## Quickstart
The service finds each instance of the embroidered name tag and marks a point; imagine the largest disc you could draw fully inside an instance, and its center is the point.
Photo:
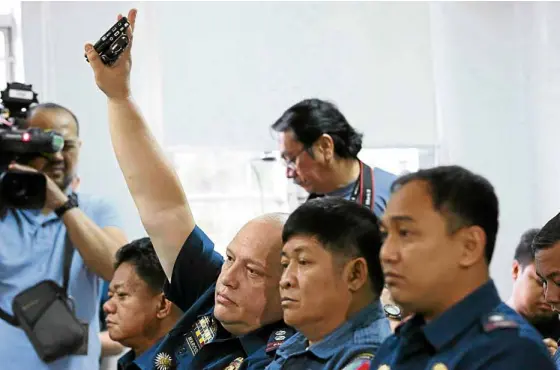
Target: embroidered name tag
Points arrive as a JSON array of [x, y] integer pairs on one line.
[[203, 332]]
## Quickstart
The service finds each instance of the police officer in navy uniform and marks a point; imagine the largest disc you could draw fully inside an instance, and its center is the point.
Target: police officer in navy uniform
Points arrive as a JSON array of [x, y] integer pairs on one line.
[[232, 308], [441, 227], [333, 244]]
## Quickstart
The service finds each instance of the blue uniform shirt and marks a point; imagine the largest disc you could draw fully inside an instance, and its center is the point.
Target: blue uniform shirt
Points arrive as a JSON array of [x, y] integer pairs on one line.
[[353, 343], [479, 332], [198, 341], [31, 250], [557, 359], [382, 181], [129, 361]]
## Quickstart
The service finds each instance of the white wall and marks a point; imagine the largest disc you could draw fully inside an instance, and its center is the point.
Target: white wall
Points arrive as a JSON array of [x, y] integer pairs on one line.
[[478, 79]]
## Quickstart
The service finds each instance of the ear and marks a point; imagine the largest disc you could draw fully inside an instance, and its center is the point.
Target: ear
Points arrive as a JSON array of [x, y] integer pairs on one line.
[[356, 274], [473, 240], [163, 307], [325, 148], [515, 270]]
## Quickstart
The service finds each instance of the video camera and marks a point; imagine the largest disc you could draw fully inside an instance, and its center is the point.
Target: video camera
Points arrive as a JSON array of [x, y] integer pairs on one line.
[[20, 189]]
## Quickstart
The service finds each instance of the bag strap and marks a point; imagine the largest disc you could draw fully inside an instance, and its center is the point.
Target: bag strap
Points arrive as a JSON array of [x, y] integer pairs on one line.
[[67, 263]]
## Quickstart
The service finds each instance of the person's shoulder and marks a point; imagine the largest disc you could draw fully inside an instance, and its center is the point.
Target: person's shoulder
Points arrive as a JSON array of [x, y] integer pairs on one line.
[[503, 320], [380, 173], [372, 332], [503, 333], [280, 338], [93, 203]]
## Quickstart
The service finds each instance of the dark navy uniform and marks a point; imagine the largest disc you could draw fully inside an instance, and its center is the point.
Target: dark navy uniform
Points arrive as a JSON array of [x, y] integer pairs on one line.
[[129, 361], [480, 332], [348, 347], [198, 341]]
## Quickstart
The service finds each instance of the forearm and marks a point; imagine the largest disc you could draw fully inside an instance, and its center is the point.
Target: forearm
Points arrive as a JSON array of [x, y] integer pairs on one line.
[[152, 181], [96, 246], [150, 177]]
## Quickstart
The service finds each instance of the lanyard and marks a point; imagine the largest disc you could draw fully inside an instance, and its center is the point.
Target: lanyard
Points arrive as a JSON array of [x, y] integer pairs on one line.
[[363, 192], [363, 189]]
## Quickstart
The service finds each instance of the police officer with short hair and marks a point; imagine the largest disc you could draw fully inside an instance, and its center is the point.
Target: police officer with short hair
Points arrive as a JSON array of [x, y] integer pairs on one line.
[[232, 307], [330, 287], [441, 227]]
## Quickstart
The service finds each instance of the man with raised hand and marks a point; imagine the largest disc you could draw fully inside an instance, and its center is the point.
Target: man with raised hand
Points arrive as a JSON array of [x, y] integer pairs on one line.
[[232, 308]]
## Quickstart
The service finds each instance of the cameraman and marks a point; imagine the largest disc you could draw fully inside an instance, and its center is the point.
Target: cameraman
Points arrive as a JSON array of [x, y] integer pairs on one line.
[[33, 241]]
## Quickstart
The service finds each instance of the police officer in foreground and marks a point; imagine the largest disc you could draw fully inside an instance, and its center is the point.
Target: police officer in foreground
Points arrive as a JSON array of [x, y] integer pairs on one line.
[[330, 287], [441, 227], [232, 308]]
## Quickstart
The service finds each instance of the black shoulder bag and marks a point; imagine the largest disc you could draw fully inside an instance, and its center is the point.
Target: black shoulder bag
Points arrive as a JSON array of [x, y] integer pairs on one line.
[[46, 314]]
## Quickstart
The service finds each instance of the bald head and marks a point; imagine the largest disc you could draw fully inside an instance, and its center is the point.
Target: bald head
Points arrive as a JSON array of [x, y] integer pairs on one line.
[[250, 276]]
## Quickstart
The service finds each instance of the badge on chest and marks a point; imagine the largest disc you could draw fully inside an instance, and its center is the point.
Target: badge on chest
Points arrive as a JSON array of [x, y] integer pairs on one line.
[[203, 332]]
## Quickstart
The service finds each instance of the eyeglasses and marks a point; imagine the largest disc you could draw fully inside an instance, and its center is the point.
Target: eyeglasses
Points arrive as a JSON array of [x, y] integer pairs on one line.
[[291, 162]]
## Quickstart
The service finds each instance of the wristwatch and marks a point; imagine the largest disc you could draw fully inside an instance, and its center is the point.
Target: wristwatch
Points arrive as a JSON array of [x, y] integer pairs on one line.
[[72, 202], [392, 311]]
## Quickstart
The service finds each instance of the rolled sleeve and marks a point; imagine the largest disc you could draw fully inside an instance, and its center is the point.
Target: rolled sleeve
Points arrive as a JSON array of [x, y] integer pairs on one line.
[[197, 267]]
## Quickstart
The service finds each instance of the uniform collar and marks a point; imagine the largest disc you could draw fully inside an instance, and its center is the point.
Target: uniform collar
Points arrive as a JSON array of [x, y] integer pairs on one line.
[[327, 347], [251, 342], [458, 318], [143, 362], [367, 315], [258, 339]]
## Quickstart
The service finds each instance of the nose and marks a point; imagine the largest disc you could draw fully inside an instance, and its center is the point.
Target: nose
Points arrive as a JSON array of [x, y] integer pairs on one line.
[[290, 172], [552, 295], [228, 275], [389, 252], [109, 307], [288, 279]]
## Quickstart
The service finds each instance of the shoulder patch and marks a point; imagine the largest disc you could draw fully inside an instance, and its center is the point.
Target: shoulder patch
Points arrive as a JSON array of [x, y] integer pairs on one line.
[[359, 362], [235, 364], [498, 321], [277, 338]]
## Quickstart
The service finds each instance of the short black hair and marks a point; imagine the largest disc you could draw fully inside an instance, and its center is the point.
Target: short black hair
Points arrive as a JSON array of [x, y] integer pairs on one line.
[[54, 106], [311, 118], [464, 198], [342, 227], [141, 254], [524, 253], [548, 236]]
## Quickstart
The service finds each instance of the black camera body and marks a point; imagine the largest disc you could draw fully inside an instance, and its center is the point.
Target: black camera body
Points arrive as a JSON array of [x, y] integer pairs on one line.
[[20, 189], [111, 45]]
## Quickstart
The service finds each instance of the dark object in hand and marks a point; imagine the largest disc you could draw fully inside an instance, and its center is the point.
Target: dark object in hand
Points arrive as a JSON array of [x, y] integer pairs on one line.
[[112, 44]]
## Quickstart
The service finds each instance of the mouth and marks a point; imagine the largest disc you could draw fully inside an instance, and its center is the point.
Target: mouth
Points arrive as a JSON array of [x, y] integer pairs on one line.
[[109, 323], [285, 301], [391, 277], [224, 300]]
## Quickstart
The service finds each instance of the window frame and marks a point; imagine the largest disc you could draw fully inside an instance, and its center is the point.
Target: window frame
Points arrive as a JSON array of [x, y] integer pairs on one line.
[[7, 27]]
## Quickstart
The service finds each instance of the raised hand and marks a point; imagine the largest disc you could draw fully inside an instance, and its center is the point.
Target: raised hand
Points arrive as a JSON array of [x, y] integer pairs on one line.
[[114, 80]]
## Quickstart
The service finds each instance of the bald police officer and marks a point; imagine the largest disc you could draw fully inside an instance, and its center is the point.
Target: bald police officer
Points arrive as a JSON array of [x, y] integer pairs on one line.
[[441, 227], [232, 307]]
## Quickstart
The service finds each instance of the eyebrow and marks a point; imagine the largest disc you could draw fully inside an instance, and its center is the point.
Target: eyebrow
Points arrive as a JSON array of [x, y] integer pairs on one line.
[[296, 250], [115, 286], [552, 275], [398, 218], [247, 260]]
